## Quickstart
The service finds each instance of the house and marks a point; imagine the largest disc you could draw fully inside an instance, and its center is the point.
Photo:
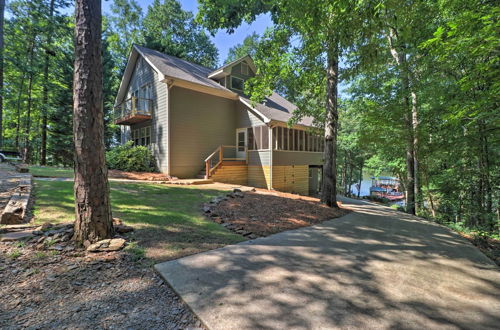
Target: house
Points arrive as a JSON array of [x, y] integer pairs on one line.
[[198, 122]]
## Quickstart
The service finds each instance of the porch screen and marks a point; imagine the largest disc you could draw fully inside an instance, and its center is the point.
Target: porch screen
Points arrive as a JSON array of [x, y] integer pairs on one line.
[[258, 138]]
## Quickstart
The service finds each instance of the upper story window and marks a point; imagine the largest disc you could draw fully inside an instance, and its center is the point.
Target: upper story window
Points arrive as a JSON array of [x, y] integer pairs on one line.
[[244, 68], [237, 83]]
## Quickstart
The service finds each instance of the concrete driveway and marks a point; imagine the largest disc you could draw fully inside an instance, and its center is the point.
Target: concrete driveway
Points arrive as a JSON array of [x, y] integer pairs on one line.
[[373, 268]]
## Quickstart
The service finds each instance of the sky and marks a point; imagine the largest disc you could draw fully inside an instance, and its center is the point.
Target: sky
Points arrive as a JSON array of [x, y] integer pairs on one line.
[[223, 41]]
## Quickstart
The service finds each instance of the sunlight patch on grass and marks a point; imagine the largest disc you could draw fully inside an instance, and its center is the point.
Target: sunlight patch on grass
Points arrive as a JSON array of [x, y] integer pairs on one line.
[[51, 171], [168, 220]]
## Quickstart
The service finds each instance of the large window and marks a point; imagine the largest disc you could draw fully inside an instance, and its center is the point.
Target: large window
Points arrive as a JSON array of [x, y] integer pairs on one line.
[[142, 136], [289, 139], [237, 83]]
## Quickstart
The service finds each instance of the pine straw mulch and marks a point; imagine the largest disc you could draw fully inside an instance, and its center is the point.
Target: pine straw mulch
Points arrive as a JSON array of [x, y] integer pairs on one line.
[[150, 176], [264, 212]]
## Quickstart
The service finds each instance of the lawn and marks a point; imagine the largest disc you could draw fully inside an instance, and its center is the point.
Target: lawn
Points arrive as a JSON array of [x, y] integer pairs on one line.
[[168, 221], [50, 171]]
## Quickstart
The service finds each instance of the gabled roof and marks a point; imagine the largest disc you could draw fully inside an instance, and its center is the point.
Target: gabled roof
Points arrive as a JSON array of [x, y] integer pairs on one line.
[[226, 68], [275, 107], [174, 67]]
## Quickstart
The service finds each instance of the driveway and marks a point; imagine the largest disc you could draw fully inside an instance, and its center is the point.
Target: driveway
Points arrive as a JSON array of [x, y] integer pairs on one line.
[[373, 268]]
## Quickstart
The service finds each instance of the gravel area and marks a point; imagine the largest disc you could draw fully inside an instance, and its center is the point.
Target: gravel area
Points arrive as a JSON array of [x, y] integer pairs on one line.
[[42, 289], [263, 212]]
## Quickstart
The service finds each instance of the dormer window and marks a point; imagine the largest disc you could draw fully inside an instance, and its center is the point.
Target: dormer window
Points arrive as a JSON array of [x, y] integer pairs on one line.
[[244, 68], [237, 83]]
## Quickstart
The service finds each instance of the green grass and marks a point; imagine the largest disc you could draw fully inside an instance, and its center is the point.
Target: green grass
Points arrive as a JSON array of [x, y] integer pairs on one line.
[[168, 221], [50, 171]]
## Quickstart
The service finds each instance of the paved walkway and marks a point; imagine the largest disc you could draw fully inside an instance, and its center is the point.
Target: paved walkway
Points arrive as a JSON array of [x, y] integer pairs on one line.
[[372, 269]]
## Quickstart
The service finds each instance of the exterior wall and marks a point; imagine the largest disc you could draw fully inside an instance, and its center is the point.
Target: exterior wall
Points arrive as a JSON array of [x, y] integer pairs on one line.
[[200, 123], [297, 158], [259, 176], [292, 178], [144, 74], [236, 174], [245, 117]]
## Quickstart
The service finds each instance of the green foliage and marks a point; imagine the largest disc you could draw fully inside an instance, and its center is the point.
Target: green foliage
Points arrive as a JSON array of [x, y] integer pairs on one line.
[[248, 47], [131, 158], [16, 253], [171, 30]]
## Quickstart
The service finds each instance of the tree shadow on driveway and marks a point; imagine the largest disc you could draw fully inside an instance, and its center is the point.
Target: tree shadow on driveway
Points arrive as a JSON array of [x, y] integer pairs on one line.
[[374, 268]]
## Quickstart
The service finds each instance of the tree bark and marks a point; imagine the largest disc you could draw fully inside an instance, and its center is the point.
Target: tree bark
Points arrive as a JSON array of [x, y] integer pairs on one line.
[[45, 92], [400, 59], [18, 111], [92, 206], [360, 177], [2, 11], [27, 128], [329, 189]]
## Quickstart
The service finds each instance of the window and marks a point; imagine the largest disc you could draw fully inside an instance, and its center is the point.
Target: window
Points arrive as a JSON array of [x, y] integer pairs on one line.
[[237, 83], [142, 136], [244, 68]]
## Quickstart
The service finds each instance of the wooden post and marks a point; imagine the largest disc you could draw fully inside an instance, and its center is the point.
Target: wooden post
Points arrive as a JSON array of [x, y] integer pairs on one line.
[[207, 169], [133, 105], [221, 153]]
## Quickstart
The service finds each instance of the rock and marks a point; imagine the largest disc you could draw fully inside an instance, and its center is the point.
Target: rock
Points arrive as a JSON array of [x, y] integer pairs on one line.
[[239, 194], [214, 215], [16, 236], [113, 244], [236, 190], [206, 209], [218, 220], [230, 195]]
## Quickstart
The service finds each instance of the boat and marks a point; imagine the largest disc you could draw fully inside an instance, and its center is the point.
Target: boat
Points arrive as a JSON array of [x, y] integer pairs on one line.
[[386, 187]]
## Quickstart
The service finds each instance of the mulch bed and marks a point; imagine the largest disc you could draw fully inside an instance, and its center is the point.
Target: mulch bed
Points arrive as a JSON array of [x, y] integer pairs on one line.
[[42, 289], [116, 174], [264, 212]]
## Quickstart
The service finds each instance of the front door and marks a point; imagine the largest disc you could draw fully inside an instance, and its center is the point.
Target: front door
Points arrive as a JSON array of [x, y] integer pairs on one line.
[[241, 143]]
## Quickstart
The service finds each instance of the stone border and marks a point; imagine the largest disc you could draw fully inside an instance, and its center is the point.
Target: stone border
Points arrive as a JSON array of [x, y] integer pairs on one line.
[[209, 212], [15, 210]]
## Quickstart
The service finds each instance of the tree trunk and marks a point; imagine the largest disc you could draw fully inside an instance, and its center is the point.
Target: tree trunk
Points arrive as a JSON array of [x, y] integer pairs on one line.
[[18, 111], [329, 189], [360, 177], [349, 183], [27, 128], [414, 116], [92, 206], [400, 59], [45, 92], [2, 11]]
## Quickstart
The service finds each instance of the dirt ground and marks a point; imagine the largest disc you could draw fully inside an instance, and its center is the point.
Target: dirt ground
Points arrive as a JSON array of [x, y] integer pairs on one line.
[[8, 182], [266, 212], [79, 290]]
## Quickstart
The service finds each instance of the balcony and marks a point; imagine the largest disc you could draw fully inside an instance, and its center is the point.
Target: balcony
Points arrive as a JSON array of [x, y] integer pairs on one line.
[[133, 110]]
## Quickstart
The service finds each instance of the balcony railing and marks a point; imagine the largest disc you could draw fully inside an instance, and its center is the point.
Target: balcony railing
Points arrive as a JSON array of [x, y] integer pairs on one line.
[[133, 110]]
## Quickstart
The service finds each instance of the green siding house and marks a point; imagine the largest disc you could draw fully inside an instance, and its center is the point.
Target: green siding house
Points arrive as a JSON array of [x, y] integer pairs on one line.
[[198, 123]]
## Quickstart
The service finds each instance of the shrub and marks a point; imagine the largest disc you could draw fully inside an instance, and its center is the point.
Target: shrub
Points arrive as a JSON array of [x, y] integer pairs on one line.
[[130, 158]]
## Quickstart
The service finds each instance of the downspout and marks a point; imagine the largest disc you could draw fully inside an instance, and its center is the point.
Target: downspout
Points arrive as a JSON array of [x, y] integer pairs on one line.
[[170, 84], [271, 147]]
